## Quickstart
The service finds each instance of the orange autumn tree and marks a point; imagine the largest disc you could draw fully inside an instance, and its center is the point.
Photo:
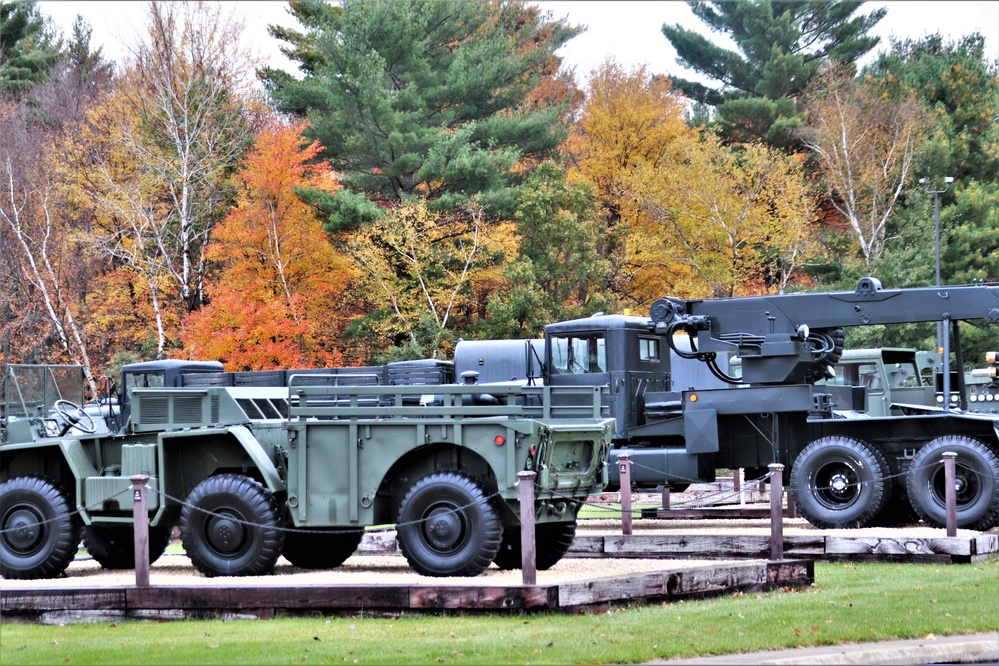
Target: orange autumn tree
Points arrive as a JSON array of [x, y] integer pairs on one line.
[[273, 300]]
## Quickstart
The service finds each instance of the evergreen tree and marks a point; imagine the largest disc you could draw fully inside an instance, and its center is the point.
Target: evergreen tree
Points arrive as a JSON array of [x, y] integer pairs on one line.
[[26, 50], [780, 46], [424, 98], [958, 84], [558, 273]]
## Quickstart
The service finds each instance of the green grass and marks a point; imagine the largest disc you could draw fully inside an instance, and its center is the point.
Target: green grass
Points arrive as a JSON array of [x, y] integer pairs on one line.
[[848, 603]]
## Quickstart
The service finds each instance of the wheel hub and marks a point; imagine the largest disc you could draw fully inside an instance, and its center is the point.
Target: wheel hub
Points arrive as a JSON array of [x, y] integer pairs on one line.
[[225, 533], [443, 528], [22, 530], [839, 484]]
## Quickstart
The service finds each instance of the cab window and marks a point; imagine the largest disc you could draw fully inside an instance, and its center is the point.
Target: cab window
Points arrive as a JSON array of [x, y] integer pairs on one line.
[[579, 354], [143, 380], [648, 349]]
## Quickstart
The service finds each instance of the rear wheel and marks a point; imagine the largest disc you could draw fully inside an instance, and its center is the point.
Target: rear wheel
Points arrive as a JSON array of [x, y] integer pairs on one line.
[[552, 541], [447, 527], [325, 549], [976, 483], [839, 482], [113, 546], [229, 526], [39, 534]]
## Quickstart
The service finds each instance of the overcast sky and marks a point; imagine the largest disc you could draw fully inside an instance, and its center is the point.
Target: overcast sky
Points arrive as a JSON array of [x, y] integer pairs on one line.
[[629, 31]]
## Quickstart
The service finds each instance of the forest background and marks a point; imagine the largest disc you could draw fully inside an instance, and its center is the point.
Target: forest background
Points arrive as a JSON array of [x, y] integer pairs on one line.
[[432, 172]]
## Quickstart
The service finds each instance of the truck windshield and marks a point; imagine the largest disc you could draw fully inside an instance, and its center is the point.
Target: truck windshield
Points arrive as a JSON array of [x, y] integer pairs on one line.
[[31, 390], [579, 354], [143, 380]]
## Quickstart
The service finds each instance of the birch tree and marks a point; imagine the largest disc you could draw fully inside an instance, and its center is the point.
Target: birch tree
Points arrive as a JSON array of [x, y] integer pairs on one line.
[[864, 142], [181, 118]]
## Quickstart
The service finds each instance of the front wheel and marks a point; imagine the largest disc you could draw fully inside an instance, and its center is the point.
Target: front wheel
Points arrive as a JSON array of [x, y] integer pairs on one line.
[[230, 527], [839, 482], [976, 483], [38, 532], [551, 543], [447, 527]]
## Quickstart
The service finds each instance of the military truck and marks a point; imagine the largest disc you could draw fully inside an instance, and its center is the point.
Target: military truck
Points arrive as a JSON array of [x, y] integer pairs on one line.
[[843, 472], [250, 473]]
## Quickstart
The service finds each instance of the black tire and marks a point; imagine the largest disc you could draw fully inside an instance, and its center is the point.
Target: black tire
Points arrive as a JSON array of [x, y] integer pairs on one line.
[[39, 534], [552, 541], [447, 527], [230, 527], [976, 478], [325, 549], [839, 483], [113, 546]]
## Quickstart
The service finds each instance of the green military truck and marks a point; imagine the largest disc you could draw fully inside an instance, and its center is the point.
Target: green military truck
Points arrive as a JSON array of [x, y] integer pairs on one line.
[[251, 473]]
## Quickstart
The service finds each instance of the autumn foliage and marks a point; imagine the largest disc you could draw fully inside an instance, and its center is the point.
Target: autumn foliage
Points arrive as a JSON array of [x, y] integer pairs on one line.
[[272, 300]]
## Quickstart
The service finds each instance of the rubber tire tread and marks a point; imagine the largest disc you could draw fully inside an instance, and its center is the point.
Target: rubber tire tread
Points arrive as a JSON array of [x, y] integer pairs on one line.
[[875, 492], [252, 503], [481, 543], [322, 550], [983, 514], [61, 536], [552, 542], [113, 546]]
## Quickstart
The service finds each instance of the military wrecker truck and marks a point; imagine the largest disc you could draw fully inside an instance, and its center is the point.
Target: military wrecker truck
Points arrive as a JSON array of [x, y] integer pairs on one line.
[[296, 467], [843, 472]]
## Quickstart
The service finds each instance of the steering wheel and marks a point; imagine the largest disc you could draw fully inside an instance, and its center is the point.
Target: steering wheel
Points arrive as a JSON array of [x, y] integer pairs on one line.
[[75, 415]]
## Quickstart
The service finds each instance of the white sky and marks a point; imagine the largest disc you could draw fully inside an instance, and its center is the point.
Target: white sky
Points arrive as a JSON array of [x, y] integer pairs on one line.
[[627, 30]]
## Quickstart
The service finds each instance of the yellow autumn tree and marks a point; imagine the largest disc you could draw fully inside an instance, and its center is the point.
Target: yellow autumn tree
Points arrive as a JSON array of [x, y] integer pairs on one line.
[[273, 302], [630, 119], [424, 273], [719, 222]]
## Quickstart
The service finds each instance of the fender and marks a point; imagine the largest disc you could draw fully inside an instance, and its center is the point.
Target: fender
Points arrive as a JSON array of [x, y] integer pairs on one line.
[[268, 471]]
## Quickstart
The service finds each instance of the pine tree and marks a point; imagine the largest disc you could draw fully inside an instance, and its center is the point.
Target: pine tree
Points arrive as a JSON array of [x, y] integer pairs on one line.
[[422, 98], [26, 51], [780, 46]]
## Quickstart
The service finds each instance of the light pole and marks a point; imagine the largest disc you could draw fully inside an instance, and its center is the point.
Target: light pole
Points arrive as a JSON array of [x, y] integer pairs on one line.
[[936, 214], [942, 348]]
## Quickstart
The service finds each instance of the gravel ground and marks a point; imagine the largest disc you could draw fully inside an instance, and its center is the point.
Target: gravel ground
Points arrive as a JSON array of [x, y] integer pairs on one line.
[[176, 569]]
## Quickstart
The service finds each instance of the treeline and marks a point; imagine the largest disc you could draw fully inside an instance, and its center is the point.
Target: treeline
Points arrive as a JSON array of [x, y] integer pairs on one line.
[[431, 172]]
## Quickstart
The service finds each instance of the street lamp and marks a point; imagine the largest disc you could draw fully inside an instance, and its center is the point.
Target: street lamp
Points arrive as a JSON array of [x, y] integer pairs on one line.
[[942, 346]]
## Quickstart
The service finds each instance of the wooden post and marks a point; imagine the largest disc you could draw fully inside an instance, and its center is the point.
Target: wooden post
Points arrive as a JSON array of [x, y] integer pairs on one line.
[[776, 511], [950, 491], [140, 520], [624, 470], [737, 484], [792, 509], [666, 499], [528, 545]]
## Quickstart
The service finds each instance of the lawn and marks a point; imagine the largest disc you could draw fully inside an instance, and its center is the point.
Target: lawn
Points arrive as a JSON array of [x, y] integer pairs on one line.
[[848, 603]]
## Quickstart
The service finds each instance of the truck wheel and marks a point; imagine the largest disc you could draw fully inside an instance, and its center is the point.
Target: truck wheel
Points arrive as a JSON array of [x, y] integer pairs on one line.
[[447, 526], [976, 480], [552, 541], [113, 546], [322, 549], [229, 527], [839, 482], [39, 534]]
